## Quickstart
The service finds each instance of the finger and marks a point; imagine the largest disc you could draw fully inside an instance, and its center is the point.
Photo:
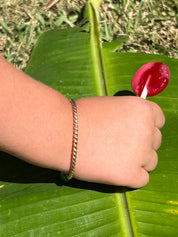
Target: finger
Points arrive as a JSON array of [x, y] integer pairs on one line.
[[159, 117], [157, 138], [141, 179], [152, 161]]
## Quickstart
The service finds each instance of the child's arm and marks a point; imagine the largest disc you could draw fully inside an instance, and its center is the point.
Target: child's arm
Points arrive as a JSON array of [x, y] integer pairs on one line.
[[35, 120], [117, 139]]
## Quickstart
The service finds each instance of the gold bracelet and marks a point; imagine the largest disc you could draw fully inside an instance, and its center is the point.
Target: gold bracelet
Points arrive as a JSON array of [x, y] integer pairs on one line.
[[74, 142]]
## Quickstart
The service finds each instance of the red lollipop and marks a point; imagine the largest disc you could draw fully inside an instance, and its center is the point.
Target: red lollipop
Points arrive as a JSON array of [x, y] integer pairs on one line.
[[150, 79]]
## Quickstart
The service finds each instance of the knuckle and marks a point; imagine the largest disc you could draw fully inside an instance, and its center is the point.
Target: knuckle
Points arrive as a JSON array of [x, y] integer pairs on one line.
[[157, 139], [158, 115], [154, 161], [163, 120], [139, 180], [146, 179]]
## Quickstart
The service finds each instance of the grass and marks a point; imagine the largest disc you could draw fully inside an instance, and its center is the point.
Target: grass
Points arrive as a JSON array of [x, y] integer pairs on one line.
[[150, 25]]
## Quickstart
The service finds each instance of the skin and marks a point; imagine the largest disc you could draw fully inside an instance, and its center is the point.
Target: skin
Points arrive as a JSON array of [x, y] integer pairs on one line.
[[118, 140], [118, 136]]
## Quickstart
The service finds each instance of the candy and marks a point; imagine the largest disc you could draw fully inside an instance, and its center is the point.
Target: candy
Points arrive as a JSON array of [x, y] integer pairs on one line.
[[150, 79]]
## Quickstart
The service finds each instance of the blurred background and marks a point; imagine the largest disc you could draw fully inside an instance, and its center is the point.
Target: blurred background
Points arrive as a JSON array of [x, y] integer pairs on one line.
[[149, 26]]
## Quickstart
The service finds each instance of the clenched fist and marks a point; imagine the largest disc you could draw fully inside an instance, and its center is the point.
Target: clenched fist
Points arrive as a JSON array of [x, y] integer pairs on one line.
[[118, 140]]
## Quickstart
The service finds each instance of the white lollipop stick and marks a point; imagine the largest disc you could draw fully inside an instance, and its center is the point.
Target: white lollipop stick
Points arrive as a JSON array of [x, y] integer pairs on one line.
[[144, 93], [145, 90]]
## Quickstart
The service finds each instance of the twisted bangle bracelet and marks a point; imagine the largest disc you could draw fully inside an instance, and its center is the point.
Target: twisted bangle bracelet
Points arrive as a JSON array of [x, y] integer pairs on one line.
[[74, 142]]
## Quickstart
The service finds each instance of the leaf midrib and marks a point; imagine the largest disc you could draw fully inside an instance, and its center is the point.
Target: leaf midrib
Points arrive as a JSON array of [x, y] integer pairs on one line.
[[100, 79], [99, 70]]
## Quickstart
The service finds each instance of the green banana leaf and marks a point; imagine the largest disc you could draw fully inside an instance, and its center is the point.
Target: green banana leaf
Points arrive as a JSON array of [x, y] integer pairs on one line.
[[35, 202]]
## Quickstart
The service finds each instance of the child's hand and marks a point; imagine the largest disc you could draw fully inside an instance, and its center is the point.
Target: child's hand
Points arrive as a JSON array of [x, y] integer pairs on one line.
[[118, 139]]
